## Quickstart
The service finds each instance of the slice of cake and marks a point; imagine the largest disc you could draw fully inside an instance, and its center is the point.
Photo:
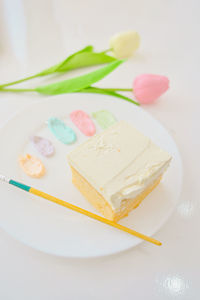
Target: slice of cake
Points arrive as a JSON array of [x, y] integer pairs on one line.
[[116, 169]]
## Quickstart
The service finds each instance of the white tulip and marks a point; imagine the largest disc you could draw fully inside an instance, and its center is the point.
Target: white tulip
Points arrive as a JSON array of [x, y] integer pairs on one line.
[[124, 44]]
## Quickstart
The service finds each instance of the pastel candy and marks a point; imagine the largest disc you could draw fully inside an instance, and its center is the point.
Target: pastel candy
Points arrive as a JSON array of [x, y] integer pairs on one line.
[[104, 118], [83, 122], [32, 166], [43, 145], [62, 132]]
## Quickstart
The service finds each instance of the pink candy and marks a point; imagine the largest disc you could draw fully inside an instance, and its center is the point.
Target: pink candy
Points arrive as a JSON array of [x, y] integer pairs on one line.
[[148, 87], [83, 122]]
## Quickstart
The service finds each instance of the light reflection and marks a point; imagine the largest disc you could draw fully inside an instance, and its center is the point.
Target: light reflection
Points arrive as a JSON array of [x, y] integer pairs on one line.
[[16, 26], [175, 285], [185, 209]]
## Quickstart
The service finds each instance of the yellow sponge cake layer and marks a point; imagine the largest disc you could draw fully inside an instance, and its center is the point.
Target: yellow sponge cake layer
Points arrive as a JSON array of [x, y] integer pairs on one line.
[[116, 169], [102, 205]]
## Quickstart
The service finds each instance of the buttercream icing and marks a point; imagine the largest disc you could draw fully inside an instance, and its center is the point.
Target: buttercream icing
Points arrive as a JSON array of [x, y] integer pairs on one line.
[[32, 166], [104, 118], [43, 145], [83, 122], [62, 132], [119, 163]]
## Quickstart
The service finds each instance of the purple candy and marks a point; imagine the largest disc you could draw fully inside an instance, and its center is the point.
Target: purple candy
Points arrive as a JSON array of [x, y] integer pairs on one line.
[[43, 145]]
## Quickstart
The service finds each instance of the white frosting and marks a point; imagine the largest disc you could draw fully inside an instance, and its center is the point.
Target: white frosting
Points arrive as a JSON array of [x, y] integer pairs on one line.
[[119, 163]]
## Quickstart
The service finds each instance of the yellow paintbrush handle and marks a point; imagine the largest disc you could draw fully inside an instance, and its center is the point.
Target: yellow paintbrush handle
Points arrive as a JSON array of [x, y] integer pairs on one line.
[[93, 216]]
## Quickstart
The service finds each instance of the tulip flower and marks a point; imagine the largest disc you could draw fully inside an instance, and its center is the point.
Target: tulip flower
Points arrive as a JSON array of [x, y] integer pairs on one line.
[[124, 44], [146, 88], [149, 87]]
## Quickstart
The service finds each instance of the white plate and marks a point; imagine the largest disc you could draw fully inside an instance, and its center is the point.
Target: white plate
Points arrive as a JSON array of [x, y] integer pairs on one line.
[[46, 226]]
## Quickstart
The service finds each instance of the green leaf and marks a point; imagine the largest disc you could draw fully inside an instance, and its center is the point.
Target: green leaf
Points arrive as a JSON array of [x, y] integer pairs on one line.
[[78, 83], [60, 66], [86, 59], [83, 58], [107, 92]]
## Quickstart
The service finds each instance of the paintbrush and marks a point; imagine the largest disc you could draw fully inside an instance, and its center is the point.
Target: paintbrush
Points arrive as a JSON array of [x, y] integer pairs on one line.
[[78, 209]]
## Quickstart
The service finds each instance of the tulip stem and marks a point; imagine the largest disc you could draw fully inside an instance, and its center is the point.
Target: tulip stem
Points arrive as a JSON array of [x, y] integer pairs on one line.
[[32, 90], [18, 81], [16, 90], [119, 89], [107, 50]]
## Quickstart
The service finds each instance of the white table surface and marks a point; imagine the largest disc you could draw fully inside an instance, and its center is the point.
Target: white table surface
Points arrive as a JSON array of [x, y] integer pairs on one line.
[[36, 34]]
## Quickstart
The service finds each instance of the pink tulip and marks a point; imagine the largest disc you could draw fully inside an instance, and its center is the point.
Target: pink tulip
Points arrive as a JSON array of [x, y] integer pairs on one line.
[[149, 87]]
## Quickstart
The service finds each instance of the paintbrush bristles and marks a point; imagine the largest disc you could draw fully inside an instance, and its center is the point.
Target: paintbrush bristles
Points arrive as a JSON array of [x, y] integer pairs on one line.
[[3, 178]]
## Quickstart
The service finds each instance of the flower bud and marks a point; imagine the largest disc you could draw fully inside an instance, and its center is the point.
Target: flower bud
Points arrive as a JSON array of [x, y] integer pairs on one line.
[[148, 87], [124, 44]]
